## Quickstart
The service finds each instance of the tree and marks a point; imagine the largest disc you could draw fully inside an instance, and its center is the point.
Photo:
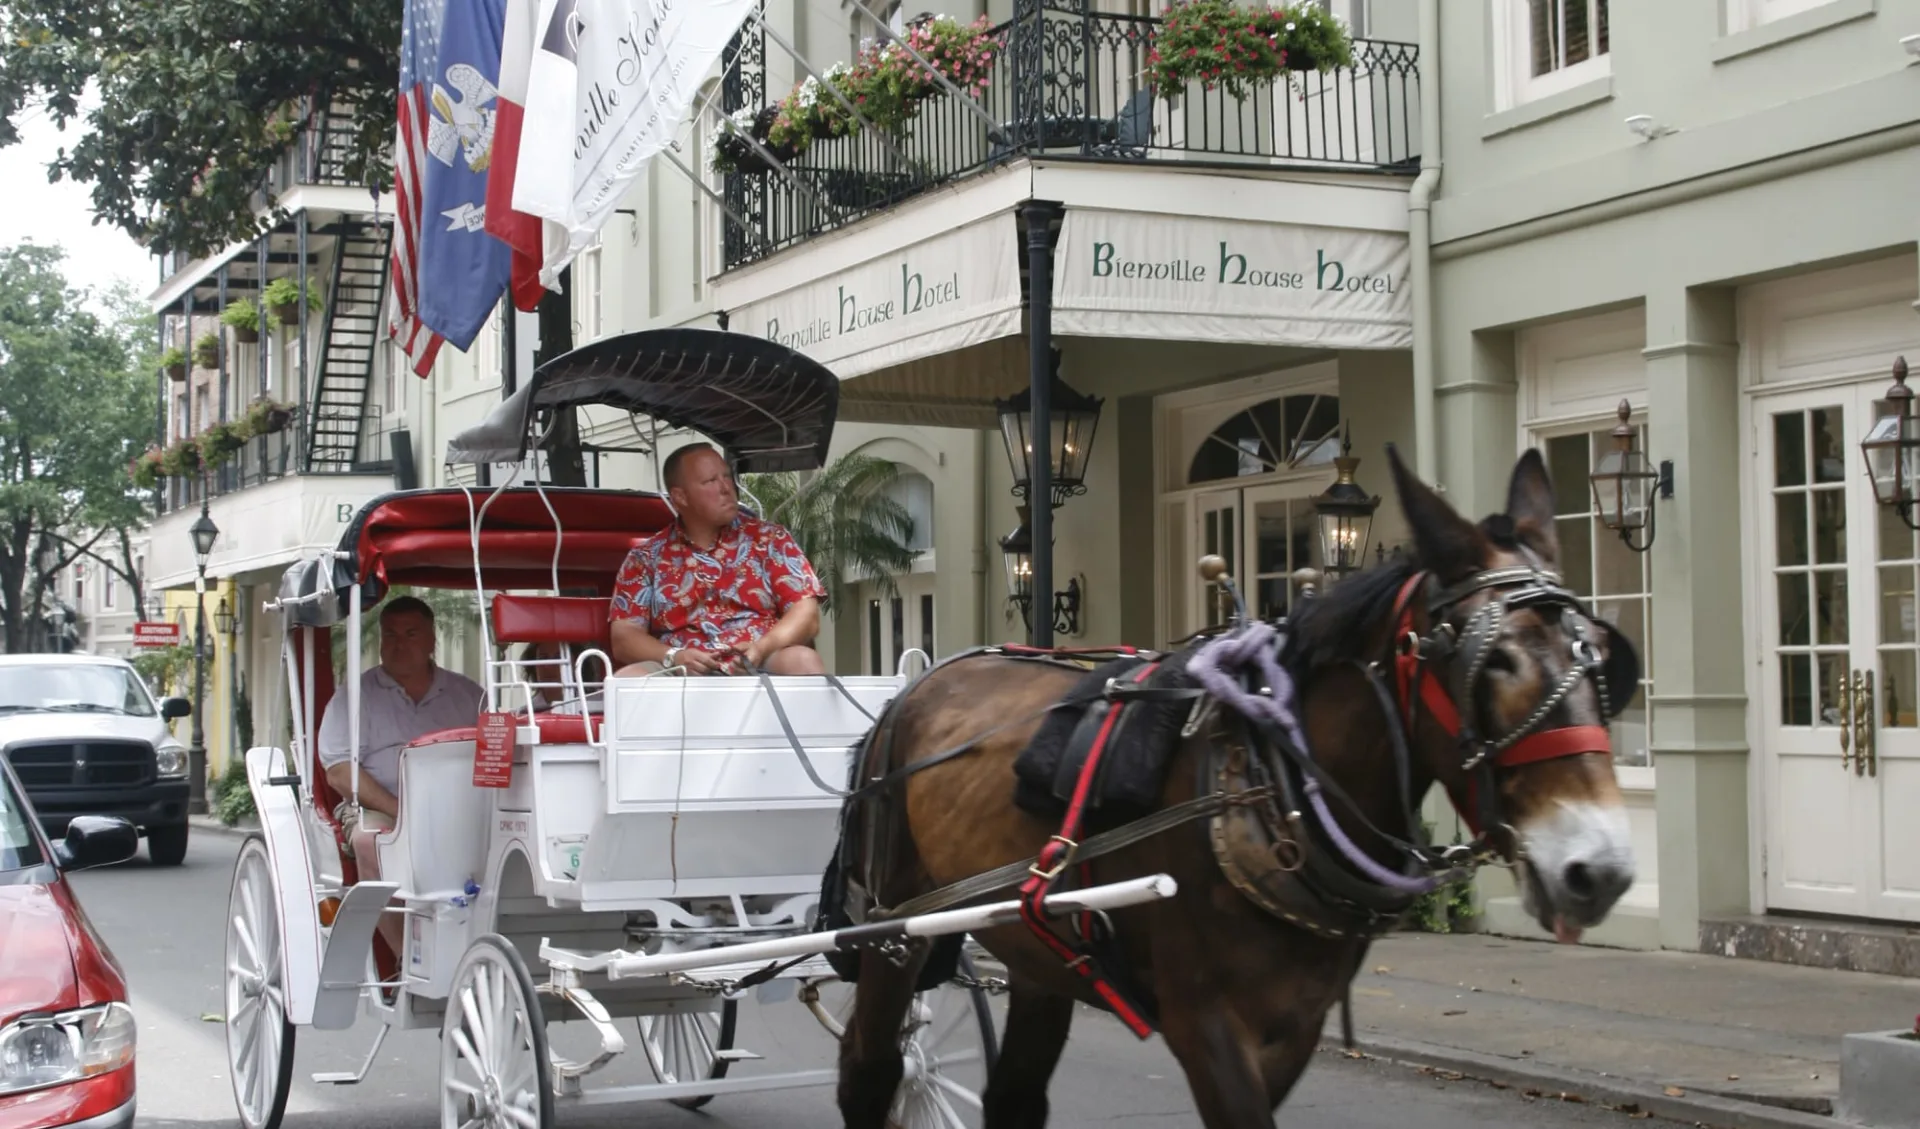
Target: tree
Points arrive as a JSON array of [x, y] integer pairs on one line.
[[73, 411], [196, 100], [843, 518]]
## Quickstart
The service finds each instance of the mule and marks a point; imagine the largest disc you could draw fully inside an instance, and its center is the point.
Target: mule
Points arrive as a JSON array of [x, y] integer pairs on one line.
[[1469, 666]]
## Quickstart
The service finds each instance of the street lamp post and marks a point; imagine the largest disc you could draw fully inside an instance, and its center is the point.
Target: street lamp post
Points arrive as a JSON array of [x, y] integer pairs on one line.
[[204, 534]]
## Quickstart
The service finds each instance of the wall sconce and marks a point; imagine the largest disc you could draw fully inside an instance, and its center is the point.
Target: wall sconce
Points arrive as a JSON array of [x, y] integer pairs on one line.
[[1625, 487], [1016, 550], [1892, 449], [223, 618]]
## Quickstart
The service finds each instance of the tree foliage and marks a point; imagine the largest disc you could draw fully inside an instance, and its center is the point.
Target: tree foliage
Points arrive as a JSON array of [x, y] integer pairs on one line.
[[74, 408], [188, 104], [843, 517]]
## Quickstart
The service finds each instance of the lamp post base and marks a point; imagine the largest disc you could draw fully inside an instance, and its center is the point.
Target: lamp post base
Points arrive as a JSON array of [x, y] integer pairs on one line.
[[196, 781]]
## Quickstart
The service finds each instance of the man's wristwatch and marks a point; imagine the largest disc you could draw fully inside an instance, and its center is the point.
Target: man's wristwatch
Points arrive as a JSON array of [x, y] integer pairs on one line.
[[671, 651]]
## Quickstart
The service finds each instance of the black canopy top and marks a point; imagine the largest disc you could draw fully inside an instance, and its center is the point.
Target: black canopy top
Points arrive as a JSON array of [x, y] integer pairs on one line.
[[769, 407]]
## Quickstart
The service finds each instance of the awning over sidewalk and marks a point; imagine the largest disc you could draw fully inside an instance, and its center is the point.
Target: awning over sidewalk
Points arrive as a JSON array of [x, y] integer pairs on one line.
[[1168, 277], [958, 288]]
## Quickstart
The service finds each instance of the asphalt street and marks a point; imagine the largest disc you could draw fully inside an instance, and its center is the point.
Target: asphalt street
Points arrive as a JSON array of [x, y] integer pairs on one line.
[[165, 926]]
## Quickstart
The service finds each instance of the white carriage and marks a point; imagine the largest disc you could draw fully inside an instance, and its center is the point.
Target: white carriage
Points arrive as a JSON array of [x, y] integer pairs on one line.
[[656, 854]]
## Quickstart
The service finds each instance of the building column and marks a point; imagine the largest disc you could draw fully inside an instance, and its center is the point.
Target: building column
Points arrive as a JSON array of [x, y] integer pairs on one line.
[[1697, 639]]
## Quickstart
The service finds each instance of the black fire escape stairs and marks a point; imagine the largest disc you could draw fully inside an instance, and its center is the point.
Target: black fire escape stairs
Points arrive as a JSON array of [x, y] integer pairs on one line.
[[345, 373]]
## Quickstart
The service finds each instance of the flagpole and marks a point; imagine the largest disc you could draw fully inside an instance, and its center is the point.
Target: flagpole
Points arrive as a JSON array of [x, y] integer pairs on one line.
[[993, 127]]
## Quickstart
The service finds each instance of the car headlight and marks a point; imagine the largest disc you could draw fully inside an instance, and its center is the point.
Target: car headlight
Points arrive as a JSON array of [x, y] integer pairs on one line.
[[48, 1050], [170, 760]]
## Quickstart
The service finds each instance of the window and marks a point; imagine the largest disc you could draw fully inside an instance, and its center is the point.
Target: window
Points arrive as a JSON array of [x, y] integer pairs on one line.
[[1615, 581], [1284, 433], [587, 323], [1546, 46], [107, 588], [1745, 14], [914, 492]]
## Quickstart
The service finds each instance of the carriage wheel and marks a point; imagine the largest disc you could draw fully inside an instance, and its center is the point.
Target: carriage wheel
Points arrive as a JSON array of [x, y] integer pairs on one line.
[[949, 1044], [259, 1034], [494, 1069], [685, 1046]]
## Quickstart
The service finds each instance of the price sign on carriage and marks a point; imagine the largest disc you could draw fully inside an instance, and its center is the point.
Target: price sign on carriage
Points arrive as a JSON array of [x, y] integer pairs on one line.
[[493, 750]]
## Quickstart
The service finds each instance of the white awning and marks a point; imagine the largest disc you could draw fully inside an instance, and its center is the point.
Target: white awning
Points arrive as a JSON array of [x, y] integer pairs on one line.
[[956, 289], [1136, 274]]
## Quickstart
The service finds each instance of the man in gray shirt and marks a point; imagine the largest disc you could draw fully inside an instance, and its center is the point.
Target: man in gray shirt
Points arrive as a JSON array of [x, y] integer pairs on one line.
[[406, 696]]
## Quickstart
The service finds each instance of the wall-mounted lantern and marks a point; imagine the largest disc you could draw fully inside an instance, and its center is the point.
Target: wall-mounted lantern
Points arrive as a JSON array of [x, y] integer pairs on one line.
[[1072, 418], [1625, 486], [1892, 450], [1016, 551]]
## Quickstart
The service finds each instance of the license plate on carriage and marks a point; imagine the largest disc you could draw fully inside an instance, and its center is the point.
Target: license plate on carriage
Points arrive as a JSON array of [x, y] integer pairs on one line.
[[493, 751]]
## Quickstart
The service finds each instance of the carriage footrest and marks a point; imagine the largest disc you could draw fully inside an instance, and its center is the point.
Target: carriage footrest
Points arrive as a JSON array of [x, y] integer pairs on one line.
[[737, 1054]]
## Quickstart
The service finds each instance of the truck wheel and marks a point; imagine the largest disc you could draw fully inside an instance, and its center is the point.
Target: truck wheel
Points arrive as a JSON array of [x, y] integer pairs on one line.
[[167, 846]]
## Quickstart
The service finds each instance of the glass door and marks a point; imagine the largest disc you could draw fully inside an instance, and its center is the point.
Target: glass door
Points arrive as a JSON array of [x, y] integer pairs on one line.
[[1840, 743], [1283, 536]]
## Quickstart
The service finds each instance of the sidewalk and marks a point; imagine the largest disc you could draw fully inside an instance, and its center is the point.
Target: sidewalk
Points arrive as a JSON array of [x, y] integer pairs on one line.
[[1697, 1038]]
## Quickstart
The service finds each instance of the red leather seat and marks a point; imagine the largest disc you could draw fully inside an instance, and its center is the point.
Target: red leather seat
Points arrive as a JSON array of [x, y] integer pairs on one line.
[[555, 729], [553, 619]]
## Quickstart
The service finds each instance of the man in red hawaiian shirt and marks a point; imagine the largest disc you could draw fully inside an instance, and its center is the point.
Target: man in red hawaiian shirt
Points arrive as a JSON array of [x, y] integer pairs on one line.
[[717, 586]]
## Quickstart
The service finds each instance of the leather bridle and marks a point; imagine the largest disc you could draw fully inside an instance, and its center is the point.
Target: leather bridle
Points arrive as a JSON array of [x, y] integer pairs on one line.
[[1451, 705]]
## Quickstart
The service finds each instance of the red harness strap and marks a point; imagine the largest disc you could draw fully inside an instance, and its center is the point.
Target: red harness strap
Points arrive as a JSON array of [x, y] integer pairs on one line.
[[1056, 856], [1548, 744]]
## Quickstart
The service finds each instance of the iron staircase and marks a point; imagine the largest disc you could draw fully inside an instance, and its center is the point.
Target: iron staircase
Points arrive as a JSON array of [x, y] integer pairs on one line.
[[345, 377]]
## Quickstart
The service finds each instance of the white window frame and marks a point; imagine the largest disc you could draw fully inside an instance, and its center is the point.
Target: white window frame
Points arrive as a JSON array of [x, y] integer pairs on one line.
[[589, 273], [1514, 84], [1745, 15]]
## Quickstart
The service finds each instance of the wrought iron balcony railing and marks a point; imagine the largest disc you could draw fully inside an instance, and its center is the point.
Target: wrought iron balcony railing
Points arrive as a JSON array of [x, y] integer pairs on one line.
[[1070, 85], [263, 459]]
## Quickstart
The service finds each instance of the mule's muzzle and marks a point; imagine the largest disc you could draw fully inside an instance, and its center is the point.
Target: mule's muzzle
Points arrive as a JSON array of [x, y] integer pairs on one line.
[[1578, 864]]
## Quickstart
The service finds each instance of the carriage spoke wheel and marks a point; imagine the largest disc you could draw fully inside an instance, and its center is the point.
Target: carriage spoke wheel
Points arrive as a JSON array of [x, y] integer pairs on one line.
[[259, 1035], [685, 1046], [948, 1043], [494, 1069]]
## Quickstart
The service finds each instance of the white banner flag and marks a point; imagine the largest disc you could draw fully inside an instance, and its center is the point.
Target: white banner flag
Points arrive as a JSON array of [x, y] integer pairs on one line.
[[611, 83]]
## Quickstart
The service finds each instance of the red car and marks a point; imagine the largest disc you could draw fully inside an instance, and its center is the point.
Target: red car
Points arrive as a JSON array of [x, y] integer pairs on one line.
[[66, 1029]]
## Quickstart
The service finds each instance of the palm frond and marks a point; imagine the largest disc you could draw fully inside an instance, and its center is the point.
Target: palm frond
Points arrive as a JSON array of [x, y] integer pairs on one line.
[[843, 518]]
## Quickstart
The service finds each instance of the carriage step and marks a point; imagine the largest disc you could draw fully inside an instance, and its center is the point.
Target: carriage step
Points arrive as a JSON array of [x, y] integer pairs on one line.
[[737, 1054], [353, 1077]]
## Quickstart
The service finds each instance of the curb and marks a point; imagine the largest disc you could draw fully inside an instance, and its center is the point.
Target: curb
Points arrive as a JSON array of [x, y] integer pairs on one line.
[[1566, 1084], [208, 824]]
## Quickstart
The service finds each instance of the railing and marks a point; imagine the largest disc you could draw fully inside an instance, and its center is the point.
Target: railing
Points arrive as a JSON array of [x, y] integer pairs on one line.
[[263, 459], [1071, 85]]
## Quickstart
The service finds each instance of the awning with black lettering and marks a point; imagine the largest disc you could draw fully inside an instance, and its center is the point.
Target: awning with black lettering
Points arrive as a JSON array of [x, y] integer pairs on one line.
[[1164, 277], [957, 289]]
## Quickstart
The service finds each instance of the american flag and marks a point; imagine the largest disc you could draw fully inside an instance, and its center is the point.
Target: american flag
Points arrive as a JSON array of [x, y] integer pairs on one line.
[[419, 63]]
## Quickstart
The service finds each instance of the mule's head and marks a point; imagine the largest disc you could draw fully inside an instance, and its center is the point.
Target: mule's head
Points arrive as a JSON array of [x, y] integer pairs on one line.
[[1533, 679]]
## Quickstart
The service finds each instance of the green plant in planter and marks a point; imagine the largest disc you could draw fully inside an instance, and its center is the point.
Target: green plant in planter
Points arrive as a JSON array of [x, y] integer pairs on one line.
[[243, 317], [221, 441], [206, 351], [1235, 49], [181, 459], [282, 299], [173, 362], [1449, 909], [145, 469], [266, 416]]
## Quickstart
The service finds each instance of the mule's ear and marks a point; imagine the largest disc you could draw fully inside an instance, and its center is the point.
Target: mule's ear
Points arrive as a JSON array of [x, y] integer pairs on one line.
[[1450, 545], [1530, 505], [1622, 669]]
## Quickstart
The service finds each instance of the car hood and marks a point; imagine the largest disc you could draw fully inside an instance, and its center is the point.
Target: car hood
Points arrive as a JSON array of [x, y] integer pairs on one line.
[[20, 728], [36, 952]]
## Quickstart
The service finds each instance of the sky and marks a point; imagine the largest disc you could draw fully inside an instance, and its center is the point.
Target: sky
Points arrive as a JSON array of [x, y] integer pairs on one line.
[[62, 213]]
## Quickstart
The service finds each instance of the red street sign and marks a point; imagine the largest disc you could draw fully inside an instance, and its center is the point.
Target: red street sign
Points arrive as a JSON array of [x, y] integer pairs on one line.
[[151, 633], [493, 751]]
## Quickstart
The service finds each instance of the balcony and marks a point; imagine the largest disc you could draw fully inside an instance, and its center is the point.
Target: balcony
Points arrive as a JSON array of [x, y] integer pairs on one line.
[[266, 458], [1068, 86]]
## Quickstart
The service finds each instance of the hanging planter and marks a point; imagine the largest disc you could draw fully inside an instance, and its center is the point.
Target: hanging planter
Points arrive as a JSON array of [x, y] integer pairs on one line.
[[173, 362], [181, 459], [243, 317], [220, 442], [206, 351], [266, 417], [1234, 49], [145, 469], [282, 299]]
